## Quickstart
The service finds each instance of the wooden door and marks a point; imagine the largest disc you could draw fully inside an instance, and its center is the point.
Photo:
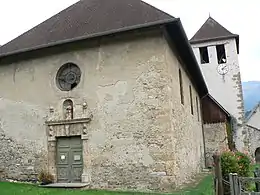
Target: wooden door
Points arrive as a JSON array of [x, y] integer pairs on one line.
[[69, 160]]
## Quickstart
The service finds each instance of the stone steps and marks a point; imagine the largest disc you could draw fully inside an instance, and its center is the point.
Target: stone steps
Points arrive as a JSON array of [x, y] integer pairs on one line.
[[65, 185]]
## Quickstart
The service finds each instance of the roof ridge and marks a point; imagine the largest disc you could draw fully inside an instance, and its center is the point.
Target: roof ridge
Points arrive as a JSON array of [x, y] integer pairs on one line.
[[221, 25], [198, 29]]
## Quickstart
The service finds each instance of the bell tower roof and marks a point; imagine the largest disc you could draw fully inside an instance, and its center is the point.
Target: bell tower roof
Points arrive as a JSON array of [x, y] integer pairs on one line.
[[211, 30]]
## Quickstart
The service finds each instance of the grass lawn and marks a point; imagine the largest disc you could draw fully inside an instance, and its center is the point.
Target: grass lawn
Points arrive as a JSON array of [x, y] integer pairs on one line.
[[204, 188]]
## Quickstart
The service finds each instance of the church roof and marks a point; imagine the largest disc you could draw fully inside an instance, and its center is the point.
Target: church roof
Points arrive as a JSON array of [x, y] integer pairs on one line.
[[211, 30], [85, 19], [88, 19]]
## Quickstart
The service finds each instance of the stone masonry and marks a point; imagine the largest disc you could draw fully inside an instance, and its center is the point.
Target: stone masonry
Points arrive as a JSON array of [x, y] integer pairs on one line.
[[215, 140], [140, 137], [253, 130], [254, 137]]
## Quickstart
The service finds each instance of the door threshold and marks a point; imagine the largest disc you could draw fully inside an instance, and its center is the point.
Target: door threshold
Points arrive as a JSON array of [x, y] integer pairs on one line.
[[65, 185]]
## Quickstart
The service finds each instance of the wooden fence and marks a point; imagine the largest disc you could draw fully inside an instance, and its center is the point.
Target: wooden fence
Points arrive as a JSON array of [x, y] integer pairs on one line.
[[235, 185], [218, 180], [238, 184]]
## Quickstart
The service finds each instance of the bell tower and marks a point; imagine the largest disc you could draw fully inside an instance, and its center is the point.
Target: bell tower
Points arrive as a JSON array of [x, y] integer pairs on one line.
[[217, 50]]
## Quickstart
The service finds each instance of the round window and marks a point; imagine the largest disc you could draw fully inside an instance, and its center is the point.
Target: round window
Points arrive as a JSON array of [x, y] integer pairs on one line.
[[68, 77]]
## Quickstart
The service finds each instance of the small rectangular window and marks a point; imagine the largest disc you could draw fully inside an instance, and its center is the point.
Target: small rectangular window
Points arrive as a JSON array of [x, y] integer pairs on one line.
[[204, 55], [198, 111], [181, 87], [191, 101], [221, 53]]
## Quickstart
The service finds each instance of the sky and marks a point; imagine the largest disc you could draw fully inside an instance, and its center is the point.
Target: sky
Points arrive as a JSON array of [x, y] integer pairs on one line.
[[239, 17]]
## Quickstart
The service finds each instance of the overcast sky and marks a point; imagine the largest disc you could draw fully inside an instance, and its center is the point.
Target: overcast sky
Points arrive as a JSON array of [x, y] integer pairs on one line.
[[239, 17]]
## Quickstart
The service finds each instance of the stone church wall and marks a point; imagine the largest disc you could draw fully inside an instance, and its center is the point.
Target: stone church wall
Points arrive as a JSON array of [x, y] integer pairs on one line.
[[22, 139], [186, 128], [141, 136], [215, 140]]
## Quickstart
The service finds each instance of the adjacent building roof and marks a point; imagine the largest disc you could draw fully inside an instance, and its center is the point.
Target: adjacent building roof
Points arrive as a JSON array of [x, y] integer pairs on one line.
[[94, 18], [219, 105], [211, 30], [212, 111], [252, 112]]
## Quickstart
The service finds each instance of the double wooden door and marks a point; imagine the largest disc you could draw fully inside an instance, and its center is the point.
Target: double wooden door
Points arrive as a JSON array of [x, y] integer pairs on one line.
[[69, 160]]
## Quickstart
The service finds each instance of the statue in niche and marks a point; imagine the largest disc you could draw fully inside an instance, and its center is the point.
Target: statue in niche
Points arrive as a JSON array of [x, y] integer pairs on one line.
[[69, 113], [68, 109]]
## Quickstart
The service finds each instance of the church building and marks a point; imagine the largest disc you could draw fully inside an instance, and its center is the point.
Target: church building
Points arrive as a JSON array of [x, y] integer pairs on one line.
[[105, 93]]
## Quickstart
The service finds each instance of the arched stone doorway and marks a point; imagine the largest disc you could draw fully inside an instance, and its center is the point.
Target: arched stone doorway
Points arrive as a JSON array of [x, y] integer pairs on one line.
[[69, 132], [257, 155]]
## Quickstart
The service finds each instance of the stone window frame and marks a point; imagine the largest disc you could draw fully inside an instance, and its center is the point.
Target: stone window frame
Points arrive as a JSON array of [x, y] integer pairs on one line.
[[71, 79]]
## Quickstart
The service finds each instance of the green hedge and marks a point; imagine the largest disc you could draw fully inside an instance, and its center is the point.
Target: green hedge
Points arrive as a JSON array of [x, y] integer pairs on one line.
[[235, 162]]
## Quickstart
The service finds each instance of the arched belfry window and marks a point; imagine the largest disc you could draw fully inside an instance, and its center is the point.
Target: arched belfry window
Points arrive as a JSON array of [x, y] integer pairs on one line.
[[68, 109], [68, 77]]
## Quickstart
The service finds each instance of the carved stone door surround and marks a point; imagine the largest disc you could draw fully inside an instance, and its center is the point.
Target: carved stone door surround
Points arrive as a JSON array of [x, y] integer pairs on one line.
[[68, 128]]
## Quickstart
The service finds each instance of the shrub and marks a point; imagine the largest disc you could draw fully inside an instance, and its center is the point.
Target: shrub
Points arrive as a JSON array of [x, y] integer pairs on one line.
[[45, 177], [235, 162], [244, 163]]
